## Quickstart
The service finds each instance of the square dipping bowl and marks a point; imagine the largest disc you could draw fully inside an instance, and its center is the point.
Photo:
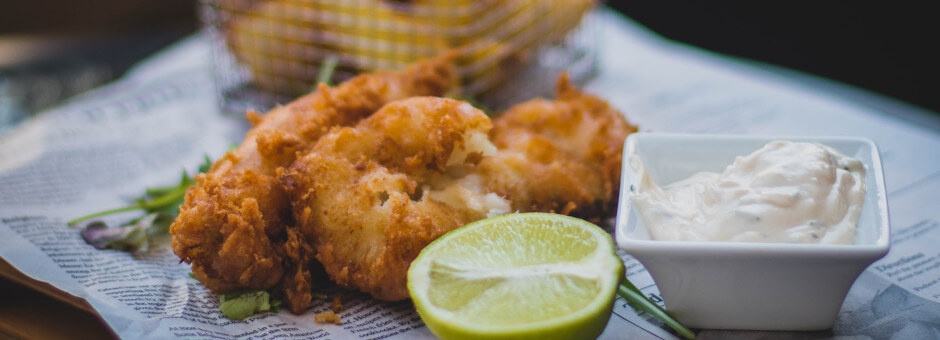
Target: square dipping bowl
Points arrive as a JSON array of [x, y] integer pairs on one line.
[[738, 285]]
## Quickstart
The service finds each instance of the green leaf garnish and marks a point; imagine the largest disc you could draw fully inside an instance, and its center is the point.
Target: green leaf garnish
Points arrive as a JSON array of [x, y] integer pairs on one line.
[[161, 205], [206, 164], [244, 303], [131, 237], [275, 306], [127, 238], [637, 300], [325, 73]]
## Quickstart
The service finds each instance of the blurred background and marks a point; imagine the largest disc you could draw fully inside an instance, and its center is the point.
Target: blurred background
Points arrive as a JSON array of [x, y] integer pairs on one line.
[[54, 49], [51, 50], [888, 48]]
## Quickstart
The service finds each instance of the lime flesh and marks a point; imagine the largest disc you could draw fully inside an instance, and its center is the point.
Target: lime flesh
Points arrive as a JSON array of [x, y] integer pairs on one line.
[[530, 275]]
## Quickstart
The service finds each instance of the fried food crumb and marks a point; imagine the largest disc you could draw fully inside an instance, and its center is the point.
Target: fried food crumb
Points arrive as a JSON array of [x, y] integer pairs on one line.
[[327, 317], [337, 305]]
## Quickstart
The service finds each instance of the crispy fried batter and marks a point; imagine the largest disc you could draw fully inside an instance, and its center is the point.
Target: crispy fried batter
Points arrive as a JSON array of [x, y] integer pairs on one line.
[[328, 317], [559, 156], [372, 196], [232, 225], [324, 180]]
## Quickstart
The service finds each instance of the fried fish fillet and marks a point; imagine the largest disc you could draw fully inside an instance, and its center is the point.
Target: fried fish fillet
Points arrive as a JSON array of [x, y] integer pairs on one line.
[[236, 226], [559, 155], [370, 197]]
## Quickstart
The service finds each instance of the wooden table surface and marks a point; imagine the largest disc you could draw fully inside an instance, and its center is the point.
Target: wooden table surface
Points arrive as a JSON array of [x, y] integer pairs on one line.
[[31, 309]]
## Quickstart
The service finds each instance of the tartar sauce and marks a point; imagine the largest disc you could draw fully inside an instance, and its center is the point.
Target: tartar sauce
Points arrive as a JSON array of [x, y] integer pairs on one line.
[[790, 192]]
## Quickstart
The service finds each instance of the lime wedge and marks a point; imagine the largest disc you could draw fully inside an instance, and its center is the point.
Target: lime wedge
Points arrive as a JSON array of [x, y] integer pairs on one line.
[[533, 275]]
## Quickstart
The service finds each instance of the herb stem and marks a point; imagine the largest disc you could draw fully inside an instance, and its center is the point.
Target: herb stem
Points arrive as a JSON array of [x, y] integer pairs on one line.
[[168, 198], [325, 74], [639, 301], [159, 191], [104, 213]]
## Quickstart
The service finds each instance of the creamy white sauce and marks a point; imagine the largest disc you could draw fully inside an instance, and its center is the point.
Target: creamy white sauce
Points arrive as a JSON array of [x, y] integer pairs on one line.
[[791, 192]]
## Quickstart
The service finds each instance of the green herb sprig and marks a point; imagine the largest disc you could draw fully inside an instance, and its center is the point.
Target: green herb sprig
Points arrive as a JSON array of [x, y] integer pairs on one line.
[[161, 205], [637, 300], [244, 303], [327, 68]]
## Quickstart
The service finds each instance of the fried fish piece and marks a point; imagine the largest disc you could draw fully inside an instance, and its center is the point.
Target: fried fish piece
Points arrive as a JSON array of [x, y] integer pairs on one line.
[[324, 181], [559, 155], [234, 227], [370, 197]]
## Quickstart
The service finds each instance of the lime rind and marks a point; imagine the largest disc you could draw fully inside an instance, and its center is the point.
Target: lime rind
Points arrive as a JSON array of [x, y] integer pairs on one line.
[[460, 310]]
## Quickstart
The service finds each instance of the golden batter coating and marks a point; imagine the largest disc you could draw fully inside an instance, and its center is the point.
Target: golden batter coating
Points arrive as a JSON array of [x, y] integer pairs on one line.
[[361, 177], [370, 197], [232, 225], [559, 155]]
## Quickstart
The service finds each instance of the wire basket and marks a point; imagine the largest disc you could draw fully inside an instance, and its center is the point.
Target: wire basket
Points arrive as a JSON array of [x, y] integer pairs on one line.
[[270, 51]]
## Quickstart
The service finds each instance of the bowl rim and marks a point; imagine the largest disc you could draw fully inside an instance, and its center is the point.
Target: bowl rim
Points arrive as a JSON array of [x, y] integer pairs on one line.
[[633, 244]]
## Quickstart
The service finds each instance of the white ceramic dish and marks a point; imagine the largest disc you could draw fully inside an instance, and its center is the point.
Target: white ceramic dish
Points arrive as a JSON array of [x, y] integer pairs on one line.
[[727, 285]]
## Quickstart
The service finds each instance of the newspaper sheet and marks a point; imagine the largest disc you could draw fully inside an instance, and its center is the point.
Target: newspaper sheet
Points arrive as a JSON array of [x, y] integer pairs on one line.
[[99, 150]]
